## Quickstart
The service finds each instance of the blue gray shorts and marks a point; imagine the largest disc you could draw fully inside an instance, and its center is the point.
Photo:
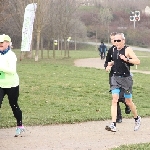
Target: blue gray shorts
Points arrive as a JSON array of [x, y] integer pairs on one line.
[[125, 83], [126, 94]]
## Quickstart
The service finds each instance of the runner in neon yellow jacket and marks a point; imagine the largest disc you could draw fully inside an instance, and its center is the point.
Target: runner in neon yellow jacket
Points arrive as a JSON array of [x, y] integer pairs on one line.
[[9, 80]]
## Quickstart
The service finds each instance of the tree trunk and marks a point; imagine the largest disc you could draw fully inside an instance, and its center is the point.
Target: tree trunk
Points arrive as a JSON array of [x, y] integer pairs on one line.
[[61, 46], [42, 47], [54, 46], [68, 49], [48, 49], [37, 46], [65, 44]]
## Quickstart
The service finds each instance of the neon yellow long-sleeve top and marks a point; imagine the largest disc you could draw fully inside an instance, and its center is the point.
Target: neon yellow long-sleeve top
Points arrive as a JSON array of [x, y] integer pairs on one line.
[[8, 75]]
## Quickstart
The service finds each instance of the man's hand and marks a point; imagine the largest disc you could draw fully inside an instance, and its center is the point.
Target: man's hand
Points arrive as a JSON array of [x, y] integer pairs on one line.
[[111, 63], [108, 68], [123, 57]]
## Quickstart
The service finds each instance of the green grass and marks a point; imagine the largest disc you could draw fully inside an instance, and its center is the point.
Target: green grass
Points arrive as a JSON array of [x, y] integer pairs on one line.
[[141, 146], [54, 91], [144, 58]]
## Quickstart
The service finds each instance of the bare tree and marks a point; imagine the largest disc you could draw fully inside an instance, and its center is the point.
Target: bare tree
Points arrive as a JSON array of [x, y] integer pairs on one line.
[[62, 13], [40, 21], [17, 9], [60, 19], [105, 16], [66, 12], [4, 15]]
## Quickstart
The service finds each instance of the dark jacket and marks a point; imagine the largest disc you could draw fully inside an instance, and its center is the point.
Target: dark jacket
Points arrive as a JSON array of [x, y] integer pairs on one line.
[[103, 48]]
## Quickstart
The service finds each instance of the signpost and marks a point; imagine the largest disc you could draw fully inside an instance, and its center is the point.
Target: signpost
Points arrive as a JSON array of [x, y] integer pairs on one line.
[[135, 16]]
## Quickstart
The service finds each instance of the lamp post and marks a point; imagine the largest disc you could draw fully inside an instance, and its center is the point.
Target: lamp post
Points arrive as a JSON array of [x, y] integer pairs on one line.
[[135, 16]]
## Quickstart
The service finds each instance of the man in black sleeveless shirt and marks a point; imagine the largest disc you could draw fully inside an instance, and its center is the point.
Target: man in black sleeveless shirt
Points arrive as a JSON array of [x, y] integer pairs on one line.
[[122, 79], [109, 58]]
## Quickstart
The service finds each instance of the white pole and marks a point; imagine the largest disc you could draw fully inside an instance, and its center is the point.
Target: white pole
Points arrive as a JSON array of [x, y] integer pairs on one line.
[[134, 23]]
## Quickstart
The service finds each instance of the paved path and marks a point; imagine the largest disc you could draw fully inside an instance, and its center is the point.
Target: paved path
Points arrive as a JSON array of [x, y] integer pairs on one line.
[[133, 47], [82, 136], [98, 63]]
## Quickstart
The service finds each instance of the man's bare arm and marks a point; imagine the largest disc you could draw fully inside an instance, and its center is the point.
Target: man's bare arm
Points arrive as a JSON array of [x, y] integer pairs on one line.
[[129, 53]]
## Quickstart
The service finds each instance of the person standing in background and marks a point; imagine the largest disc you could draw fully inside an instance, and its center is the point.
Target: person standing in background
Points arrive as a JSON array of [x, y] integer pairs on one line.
[[102, 50]]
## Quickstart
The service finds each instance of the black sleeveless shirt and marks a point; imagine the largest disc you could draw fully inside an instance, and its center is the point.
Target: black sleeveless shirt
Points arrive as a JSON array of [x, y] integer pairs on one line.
[[120, 67]]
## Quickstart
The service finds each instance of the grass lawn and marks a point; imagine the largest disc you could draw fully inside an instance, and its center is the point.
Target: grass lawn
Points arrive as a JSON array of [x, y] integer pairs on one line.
[[54, 91], [141, 146]]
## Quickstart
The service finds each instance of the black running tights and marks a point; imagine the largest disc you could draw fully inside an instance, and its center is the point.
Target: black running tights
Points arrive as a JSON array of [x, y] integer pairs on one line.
[[13, 94]]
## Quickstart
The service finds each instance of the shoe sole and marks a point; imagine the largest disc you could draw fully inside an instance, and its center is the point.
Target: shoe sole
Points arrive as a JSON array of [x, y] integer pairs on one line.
[[17, 135], [20, 133], [138, 126], [109, 129]]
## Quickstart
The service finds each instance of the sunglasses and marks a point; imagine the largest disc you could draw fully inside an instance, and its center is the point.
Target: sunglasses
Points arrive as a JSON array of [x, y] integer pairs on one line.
[[117, 40]]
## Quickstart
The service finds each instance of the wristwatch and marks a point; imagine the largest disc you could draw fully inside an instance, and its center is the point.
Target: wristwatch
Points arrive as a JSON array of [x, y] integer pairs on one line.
[[128, 59]]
